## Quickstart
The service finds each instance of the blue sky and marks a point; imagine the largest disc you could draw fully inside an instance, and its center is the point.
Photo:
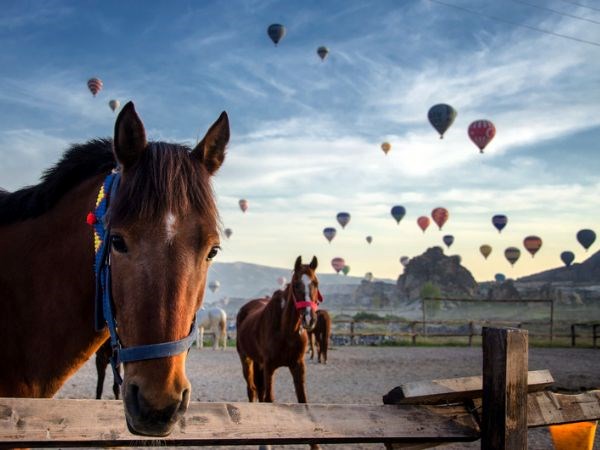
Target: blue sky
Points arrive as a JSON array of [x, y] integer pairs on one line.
[[306, 134]]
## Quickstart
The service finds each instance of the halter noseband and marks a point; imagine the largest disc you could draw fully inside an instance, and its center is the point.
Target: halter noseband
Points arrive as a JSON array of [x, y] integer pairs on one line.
[[104, 314], [305, 304]]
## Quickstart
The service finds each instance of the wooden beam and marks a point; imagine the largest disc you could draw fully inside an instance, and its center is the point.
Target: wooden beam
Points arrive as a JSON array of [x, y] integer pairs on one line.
[[454, 390], [549, 408], [504, 421], [101, 423]]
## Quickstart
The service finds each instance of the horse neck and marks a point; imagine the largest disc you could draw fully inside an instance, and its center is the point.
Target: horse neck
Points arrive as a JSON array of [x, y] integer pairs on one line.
[[290, 323]]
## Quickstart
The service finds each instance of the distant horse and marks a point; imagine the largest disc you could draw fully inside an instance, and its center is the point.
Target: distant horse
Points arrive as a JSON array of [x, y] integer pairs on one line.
[[64, 285], [102, 361], [320, 334], [215, 320], [271, 333]]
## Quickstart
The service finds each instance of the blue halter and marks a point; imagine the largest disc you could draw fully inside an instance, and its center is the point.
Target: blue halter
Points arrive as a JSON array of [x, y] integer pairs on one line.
[[104, 314]]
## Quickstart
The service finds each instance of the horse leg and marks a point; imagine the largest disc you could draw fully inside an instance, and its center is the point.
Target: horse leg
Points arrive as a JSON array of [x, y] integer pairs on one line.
[[248, 369], [259, 382], [200, 340], [215, 339], [268, 372], [310, 345], [298, 371], [223, 334], [116, 389], [101, 364]]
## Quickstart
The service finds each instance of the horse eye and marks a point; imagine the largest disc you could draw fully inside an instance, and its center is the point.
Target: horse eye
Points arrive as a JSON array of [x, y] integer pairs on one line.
[[213, 252], [118, 243]]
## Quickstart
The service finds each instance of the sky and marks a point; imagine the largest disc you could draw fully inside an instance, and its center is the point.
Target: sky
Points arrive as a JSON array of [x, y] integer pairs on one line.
[[306, 133]]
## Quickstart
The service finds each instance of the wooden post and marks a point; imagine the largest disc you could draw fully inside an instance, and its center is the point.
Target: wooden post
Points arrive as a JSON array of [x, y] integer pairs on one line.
[[423, 308], [573, 335], [352, 332], [413, 333], [471, 333], [595, 334], [504, 421], [552, 321]]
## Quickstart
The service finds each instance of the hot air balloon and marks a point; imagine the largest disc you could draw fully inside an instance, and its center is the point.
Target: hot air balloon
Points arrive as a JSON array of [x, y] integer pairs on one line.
[[114, 105], [338, 264], [281, 281], [532, 244], [404, 260], [386, 147], [398, 212], [586, 238], [448, 240], [276, 32], [512, 254], [485, 250], [346, 270], [214, 286], [369, 276], [369, 239], [500, 277], [228, 232], [423, 222], [243, 204], [329, 233], [441, 117], [440, 216], [322, 51], [499, 221], [481, 133], [343, 218], [94, 85], [567, 257]]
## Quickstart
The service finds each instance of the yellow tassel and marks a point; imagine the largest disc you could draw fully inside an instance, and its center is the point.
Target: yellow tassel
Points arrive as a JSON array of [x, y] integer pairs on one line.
[[574, 436]]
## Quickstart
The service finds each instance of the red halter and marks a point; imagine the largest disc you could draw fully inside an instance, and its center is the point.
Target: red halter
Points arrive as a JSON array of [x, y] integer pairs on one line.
[[304, 304]]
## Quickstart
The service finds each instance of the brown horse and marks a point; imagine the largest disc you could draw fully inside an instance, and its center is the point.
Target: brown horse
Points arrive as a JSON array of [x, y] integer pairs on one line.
[[102, 361], [271, 333], [162, 232], [320, 334]]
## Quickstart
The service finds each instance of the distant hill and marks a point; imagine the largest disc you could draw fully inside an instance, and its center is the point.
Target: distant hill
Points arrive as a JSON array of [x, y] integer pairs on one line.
[[585, 272]]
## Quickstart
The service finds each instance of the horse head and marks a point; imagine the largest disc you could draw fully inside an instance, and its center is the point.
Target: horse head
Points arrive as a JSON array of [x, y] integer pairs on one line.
[[305, 292], [163, 234]]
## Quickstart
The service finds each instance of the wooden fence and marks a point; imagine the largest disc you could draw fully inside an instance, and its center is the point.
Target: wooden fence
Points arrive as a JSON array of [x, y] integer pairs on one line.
[[496, 408]]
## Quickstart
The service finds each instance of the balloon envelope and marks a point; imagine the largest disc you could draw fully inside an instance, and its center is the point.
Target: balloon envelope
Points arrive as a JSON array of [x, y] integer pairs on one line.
[[276, 32], [243, 204], [95, 85], [485, 250], [532, 244], [512, 254], [346, 270], [114, 104], [441, 117], [586, 238], [228, 232], [481, 133], [398, 212], [448, 240], [214, 286], [440, 216], [567, 257], [404, 260], [322, 51], [423, 222], [499, 221], [369, 239], [500, 277], [329, 233], [343, 218], [338, 264], [386, 147], [369, 276]]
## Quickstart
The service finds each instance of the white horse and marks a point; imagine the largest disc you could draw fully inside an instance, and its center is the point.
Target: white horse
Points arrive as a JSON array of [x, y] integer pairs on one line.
[[215, 320]]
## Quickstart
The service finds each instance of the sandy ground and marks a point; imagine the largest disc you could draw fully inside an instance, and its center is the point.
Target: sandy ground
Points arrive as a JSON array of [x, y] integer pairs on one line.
[[362, 375]]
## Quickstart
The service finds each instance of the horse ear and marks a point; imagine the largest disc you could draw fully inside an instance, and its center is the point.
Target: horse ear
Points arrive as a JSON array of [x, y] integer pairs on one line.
[[314, 263], [210, 151], [130, 137], [298, 264]]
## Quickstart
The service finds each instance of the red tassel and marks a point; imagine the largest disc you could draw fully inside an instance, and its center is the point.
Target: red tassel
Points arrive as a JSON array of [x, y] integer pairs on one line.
[[91, 218]]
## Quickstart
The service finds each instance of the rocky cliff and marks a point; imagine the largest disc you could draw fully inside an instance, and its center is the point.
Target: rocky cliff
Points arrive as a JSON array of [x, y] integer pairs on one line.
[[585, 272]]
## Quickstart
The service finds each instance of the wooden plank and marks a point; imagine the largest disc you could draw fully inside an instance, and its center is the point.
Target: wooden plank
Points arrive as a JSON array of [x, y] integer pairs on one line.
[[454, 390], [549, 408], [504, 421], [101, 423]]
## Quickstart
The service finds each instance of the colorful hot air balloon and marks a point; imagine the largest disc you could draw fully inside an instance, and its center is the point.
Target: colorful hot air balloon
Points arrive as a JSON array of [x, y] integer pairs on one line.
[[441, 117], [386, 147], [228, 232], [95, 85], [398, 212], [214, 286], [338, 264], [276, 32], [329, 233], [369, 239], [243, 205], [423, 222], [448, 240], [512, 254], [567, 257], [346, 270], [114, 105], [485, 250], [532, 244], [404, 260], [369, 276], [281, 281], [343, 218], [500, 277], [440, 216], [499, 221], [586, 238], [481, 133], [322, 51]]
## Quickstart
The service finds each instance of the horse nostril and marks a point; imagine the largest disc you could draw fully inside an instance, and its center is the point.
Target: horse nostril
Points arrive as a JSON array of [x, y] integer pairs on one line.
[[132, 399]]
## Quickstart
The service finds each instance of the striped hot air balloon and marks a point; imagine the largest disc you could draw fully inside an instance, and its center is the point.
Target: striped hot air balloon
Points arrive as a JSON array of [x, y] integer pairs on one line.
[[276, 32], [567, 258], [440, 216], [423, 222], [338, 264], [329, 233], [481, 133], [532, 244], [398, 212], [512, 255], [243, 204], [386, 147], [343, 218], [499, 221], [95, 85], [448, 240], [485, 250], [322, 51], [114, 104]]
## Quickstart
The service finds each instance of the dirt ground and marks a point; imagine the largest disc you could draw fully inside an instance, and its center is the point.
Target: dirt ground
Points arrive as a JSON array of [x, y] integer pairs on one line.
[[362, 375]]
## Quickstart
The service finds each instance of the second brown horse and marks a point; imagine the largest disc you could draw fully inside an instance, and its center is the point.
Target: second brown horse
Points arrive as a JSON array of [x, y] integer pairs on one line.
[[271, 333]]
